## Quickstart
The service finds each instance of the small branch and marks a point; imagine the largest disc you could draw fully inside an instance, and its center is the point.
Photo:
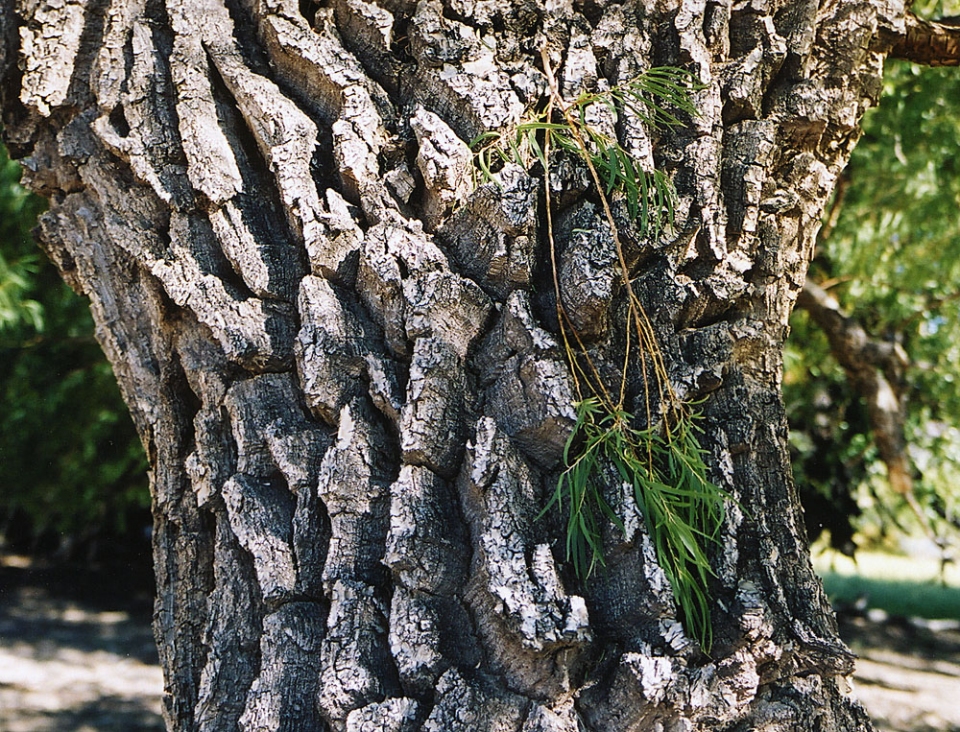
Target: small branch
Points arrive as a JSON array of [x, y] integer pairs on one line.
[[927, 42], [875, 370]]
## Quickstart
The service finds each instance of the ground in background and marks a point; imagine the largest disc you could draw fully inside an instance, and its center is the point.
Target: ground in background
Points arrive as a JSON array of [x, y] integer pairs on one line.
[[76, 650], [77, 655]]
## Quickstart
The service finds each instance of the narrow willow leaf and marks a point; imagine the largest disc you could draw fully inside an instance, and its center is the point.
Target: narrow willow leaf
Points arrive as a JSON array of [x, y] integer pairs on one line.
[[662, 464]]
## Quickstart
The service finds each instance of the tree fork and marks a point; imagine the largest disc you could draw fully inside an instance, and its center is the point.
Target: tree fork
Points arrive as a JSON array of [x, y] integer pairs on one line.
[[341, 358]]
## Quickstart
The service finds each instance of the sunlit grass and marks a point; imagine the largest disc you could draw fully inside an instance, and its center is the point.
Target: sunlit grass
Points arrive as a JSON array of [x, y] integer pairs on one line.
[[896, 584]]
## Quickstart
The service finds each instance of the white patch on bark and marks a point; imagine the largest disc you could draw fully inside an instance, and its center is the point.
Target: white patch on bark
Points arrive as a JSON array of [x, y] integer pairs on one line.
[[329, 349], [397, 714], [262, 524], [445, 162], [48, 50]]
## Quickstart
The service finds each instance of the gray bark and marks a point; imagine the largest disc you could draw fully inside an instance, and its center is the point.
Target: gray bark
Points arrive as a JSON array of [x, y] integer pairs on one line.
[[342, 357]]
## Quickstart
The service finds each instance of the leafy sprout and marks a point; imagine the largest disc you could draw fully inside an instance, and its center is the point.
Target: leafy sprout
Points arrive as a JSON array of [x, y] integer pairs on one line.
[[663, 462], [664, 469], [655, 98]]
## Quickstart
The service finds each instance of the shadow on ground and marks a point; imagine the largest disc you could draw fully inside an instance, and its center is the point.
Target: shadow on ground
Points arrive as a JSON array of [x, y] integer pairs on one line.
[[76, 650], [107, 713], [77, 655], [908, 672]]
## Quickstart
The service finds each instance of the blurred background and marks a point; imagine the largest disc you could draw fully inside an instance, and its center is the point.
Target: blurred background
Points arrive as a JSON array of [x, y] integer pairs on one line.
[[871, 383], [72, 471]]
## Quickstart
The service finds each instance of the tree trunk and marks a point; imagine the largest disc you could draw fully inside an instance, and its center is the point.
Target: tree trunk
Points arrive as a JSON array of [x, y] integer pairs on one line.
[[343, 355]]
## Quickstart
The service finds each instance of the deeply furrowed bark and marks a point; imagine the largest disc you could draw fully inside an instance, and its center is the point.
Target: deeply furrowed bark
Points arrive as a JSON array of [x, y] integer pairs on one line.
[[342, 355]]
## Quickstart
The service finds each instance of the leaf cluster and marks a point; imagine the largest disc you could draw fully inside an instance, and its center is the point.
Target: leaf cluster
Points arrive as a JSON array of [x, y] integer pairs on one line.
[[664, 469], [657, 98], [662, 464], [19, 262]]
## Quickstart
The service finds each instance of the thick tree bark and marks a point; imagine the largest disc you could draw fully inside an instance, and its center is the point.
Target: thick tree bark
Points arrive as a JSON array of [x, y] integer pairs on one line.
[[342, 356]]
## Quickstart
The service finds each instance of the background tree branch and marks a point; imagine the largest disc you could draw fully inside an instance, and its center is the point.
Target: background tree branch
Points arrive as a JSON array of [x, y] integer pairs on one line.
[[875, 368], [928, 42]]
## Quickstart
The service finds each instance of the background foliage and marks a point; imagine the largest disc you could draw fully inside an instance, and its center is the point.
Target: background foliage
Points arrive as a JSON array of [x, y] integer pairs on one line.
[[71, 467], [891, 256]]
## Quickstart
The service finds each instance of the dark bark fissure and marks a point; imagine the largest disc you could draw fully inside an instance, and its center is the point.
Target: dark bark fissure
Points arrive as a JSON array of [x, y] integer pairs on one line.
[[89, 42], [344, 359]]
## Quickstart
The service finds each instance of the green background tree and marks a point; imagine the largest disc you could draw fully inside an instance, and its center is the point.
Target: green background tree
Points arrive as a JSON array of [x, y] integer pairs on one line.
[[71, 467], [889, 254]]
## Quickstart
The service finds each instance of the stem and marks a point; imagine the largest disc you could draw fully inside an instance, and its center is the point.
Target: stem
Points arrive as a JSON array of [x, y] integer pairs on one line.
[[645, 330]]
